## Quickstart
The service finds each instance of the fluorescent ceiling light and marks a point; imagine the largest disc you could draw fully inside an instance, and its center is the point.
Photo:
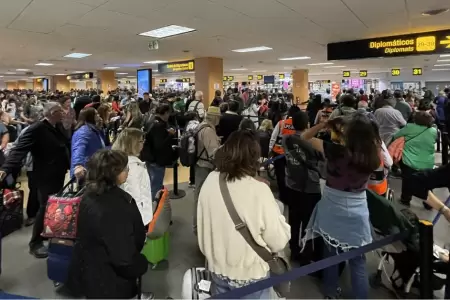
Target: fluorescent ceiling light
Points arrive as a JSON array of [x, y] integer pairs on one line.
[[442, 65], [259, 71], [167, 31], [334, 67], [440, 69], [321, 64], [155, 71], [60, 74], [295, 58], [131, 76], [191, 72], [1, 76], [252, 49], [22, 70], [444, 55], [110, 68], [80, 71], [121, 73], [154, 62], [443, 60], [77, 55], [239, 69], [44, 64], [10, 73]]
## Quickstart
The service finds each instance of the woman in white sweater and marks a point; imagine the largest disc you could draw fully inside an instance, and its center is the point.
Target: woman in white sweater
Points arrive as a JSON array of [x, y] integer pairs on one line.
[[131, 141], [231, 260]]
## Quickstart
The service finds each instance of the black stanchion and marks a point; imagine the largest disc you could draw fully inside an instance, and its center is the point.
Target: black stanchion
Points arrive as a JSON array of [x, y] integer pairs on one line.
[[176, 193], [444, 142], [426, 259]]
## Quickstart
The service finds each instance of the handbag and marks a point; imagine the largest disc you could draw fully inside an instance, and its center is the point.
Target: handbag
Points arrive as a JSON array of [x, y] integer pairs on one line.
[[277, 265], [61, 213], [11, 209]]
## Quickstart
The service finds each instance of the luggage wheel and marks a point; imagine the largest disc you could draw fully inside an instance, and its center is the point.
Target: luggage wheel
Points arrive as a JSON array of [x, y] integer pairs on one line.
[[154, 266], [56, 284]]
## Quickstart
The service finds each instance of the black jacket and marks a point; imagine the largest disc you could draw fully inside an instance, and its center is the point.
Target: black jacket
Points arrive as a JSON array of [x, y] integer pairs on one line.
[[158, 144], [49, 147], [228, 124], [80, 103], [107, 259]]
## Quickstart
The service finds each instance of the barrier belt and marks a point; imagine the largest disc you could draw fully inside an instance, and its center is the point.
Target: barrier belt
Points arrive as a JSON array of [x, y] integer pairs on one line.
[[436, 218], [271, 160], [311, 268]]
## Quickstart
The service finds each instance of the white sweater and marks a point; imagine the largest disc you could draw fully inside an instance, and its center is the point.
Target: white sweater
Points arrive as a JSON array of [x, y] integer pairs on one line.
[[225, 249], [138, 186]]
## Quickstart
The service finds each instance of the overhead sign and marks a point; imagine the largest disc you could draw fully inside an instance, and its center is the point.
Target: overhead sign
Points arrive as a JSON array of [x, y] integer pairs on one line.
[[153, 45], [250, 77], [363, 73], [183, 80], [224, 78], [177, 66], [346, 73], [80, 76], [281, 76], [395, 72], [230, 78], [417, 71], [434, 42], [260, 77], [163, 81]]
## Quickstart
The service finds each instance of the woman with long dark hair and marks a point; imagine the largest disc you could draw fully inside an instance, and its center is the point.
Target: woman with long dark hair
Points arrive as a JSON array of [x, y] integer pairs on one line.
[[341, 217]]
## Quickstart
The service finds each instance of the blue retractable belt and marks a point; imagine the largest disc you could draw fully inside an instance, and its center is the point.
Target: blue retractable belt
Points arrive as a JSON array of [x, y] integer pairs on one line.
[[271, 160]]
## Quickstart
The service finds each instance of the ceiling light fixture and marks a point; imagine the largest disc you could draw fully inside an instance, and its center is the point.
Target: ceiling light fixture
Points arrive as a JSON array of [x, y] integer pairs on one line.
[[167, 31], [335, 67], [44, 64], [77, 55], [121, 73], [435, 12], [442, 60], [442, 65], [60, 74], [239, 69], [252, 49], [444, 55], [10, 73], [440, 69], [80, 72], [131, 76], [110, 68], [295, 58], [22, 70], [321, 64], [259, 71], [154, 62]]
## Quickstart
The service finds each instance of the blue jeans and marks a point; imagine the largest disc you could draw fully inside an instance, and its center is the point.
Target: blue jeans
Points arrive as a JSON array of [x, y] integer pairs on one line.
[[358, 274], [156, 174], [220, 286]]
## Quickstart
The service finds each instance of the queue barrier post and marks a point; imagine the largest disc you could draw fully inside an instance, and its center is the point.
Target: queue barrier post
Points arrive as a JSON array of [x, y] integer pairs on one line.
[[426, 259], [176, 193], [447, 282], [444, 142]]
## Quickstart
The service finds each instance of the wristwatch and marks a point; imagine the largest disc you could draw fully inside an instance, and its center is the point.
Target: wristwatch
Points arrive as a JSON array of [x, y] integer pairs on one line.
[[443, 209]]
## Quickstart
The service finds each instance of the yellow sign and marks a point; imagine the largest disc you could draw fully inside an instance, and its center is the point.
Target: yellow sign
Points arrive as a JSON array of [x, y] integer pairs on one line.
[[395, 72], [177, 66], [417, 71], [363, 73], [446, 42], [163, 81], [346, 73], [186, 80], [225, 78], [260, 77], [230, 78], [250, 77], [419, 44], [426, 43], [281, 76]]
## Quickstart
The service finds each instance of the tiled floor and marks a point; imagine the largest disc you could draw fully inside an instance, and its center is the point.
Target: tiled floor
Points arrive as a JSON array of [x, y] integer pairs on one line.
[[23, 274]]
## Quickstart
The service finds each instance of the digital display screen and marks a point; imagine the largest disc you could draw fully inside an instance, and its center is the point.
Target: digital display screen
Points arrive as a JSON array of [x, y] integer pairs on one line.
[[346, 73], [269, 79], [250, 77], [144, 82], [395, 72], [363, 73], [417, 71], [435, 42]]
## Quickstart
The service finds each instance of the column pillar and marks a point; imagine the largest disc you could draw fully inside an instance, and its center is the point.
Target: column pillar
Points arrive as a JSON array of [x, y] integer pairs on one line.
[[72, 85], [153, 83], [89, 84], [37, 84], [300, 86], [208, 77], [11, 85], [107, 80], [21, 84], [60, 83]]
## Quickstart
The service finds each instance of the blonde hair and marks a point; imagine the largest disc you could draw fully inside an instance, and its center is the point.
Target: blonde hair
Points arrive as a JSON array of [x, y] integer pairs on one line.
[[266, 125], [134, 110], [128, 141]]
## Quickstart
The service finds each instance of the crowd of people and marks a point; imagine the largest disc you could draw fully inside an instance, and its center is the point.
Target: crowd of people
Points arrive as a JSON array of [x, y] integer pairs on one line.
[[118, 146]]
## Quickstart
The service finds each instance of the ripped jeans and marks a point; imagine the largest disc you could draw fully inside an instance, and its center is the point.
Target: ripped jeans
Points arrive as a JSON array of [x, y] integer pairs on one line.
[[221, 284]]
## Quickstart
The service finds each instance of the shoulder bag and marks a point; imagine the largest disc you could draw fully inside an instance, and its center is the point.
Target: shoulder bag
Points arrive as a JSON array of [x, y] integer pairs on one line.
[[276, 264]]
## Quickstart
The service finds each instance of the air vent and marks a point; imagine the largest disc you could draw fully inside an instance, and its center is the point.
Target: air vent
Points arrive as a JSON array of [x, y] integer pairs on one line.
[[435, 12]]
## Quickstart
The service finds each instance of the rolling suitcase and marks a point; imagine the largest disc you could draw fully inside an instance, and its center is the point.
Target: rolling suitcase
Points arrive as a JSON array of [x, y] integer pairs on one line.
[[196, 284], [157, 250], [58, 261]]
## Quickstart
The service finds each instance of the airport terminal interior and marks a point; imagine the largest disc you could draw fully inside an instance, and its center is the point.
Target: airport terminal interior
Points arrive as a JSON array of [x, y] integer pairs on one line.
[[305, 55]]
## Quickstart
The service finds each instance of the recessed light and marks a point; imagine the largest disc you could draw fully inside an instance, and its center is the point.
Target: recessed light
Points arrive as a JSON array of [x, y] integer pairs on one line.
[[44, 64], [77, 55], [442, 65], [334, 67], [110, 68], [239, 69], [252, 49], [121, 73], [154, 62], [167, 31], [60, 74], [435, 12], [295, 58], [10, 73], [22, 70], [259, 71], [440, 69], [321, 64]]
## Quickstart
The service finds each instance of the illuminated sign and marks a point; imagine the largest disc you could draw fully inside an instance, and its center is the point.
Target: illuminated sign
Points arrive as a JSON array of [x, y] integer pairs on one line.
[[417, 71], [435, 42], [260, 77], [281, 76], [183, 80], [163, 81], [346, 73], [363, 73], [177, 66], [250, 77], [224, 78], [395, 72], [230, 78], [80, 76]]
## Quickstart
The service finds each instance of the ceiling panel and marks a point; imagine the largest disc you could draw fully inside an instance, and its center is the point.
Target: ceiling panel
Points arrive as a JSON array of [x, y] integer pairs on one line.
[[416, 7], [137, 7], [9, 12], [259, 9], [45, 15], [93, 3]]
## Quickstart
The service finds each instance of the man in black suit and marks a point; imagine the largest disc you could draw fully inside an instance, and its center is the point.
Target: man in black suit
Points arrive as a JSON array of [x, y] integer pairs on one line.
[[229, 121], [50, 150]]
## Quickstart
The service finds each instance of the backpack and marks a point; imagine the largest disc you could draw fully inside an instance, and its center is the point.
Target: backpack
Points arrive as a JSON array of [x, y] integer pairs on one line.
[[189, 146], [193, 111], [148, 122]]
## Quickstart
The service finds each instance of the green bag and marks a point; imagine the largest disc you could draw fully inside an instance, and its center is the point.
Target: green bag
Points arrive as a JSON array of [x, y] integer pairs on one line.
[[157, 250]]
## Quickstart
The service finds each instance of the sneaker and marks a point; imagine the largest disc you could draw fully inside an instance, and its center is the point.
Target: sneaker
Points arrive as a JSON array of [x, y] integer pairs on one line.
[[39, 251], [29, 222], [192, 185], [147, 296]]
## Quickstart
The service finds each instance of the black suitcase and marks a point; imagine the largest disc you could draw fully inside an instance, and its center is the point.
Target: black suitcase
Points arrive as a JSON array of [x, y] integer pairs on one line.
[[58, 261]]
